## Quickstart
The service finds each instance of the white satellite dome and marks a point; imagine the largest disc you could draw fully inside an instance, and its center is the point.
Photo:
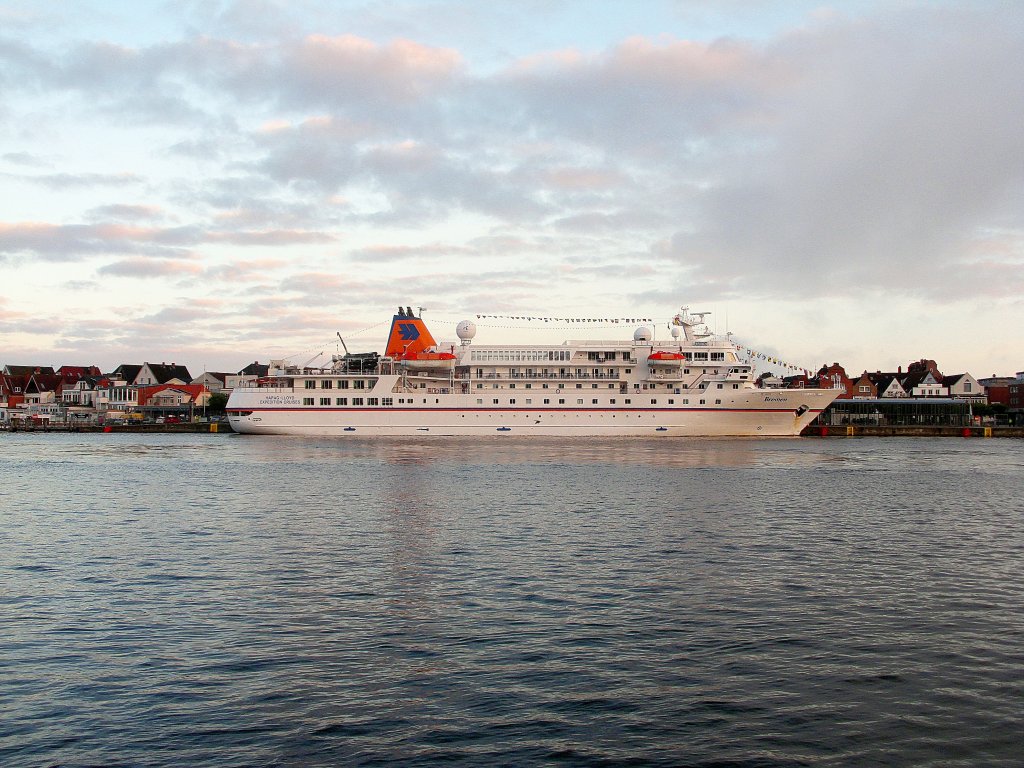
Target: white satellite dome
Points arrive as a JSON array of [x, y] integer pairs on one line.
[[466, 330], [676, 330], [643, 333]]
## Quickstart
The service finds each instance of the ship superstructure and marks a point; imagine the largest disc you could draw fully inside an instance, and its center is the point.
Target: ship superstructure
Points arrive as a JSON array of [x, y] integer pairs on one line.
[[692, 383]]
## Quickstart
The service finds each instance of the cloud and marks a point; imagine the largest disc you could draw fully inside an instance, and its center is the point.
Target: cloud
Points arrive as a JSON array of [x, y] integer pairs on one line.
[[148, 269]]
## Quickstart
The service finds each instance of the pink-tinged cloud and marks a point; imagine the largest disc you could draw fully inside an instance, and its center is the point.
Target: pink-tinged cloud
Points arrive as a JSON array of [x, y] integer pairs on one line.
[[582, 179], [276, 237], [126, 212], [403, 70], [145, 268]]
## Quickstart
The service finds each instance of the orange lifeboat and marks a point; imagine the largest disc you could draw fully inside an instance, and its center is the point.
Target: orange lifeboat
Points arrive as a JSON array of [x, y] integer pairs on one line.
[[421, 361], [665, 358]]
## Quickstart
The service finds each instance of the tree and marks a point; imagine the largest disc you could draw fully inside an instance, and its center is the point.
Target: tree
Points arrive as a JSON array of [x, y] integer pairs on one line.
[[217, 402]]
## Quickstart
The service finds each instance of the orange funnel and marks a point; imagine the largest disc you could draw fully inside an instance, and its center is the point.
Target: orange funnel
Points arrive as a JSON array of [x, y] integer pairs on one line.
[[408, 336]]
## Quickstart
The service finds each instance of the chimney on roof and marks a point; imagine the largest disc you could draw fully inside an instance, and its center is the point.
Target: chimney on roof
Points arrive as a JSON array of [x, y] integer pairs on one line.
[[899, 369]]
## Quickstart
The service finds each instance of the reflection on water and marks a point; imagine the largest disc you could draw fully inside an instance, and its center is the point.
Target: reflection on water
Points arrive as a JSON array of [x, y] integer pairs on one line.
[[212, 600]]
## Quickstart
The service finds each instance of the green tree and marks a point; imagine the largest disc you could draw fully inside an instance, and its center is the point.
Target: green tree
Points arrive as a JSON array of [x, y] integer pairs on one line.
[[217, 402]]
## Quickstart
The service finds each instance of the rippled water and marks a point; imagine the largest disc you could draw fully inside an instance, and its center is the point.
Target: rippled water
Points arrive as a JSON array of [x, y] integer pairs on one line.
[[220, 600]]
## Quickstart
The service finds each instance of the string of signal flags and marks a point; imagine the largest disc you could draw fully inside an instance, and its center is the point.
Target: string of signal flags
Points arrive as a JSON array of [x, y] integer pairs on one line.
[[566, 320], [753, 353]]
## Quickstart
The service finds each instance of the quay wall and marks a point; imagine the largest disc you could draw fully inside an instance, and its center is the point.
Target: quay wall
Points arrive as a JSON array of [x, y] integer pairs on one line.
[[906, 430], [217, 428]]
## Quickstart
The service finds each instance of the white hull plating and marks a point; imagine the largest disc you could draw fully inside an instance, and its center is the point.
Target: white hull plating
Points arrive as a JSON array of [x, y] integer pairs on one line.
[[582, 388], [776, 418]]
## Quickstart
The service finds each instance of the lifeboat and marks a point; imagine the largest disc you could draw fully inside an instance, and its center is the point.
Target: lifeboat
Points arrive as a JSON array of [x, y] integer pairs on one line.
[[422, 361], [665, 358]]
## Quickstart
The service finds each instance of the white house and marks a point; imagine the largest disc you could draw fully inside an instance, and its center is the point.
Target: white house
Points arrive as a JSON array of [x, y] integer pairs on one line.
[[963, 386]]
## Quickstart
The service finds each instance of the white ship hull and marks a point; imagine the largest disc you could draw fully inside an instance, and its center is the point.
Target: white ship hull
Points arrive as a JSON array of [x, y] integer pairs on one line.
[[786, 414], [576, 389]]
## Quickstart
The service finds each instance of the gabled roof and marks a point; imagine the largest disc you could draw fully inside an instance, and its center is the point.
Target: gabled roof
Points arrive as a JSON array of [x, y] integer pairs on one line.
[[255, 369], [883, 381], [221, 377], [28, 370], [165, 372], [910, 380], [44, 382], [126, 372], [950, 381]]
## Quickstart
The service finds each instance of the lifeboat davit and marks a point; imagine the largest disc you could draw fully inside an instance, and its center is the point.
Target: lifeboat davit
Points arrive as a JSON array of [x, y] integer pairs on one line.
[[422, 361], [665, 358]]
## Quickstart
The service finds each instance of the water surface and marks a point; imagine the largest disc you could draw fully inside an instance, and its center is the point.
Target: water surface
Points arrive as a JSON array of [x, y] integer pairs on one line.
[[220, 600]]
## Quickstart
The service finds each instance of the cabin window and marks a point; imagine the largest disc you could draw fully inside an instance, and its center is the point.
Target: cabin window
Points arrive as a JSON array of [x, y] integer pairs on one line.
[[479, 401], [529, 401], [325, 401], [512, 401], [719, 386], [495, 401], [307, 401], [373, 401], [702, 402], [594, 401], [561, 401], [671, 401], [357, 401], [654, 401], [547, 401], [310, 384], [628, 401], [718, 402], [735, 386], [387, 401], [343, 384], [341, 401], [326, 384], [358, 384]]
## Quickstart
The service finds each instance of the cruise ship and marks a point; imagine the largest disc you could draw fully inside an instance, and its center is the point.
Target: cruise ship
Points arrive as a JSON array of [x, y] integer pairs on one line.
[[692, 383]]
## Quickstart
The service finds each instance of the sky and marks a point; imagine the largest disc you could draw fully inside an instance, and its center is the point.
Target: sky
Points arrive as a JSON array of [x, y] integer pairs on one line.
[[212, 183]]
